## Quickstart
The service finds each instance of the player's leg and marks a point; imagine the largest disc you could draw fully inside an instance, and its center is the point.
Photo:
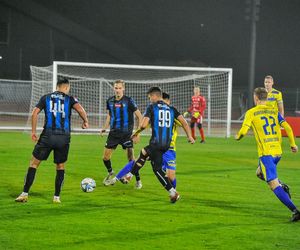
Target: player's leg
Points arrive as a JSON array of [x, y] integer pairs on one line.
[[107, 153], [121, 174], [201, 129], [127, 144], [29, 178], [169, 166], [111, 144], [192, 125], [139, 163], [130, 156], [40, 152], [156, 157], [260, 175], [171, 174], [268, 167], [59, 180], [61, 152]]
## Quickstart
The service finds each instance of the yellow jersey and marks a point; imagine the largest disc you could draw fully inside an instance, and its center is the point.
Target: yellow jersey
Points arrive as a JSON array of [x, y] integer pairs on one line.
[[274, 98], [176, 126], [265, 122]]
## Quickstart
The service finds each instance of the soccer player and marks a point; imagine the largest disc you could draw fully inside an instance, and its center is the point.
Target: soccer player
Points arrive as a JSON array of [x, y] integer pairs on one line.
[[161, 116], [169, 157], [275, 101], [274, 96], [55, 135], [120, 118], [265, 122], [196, 110]]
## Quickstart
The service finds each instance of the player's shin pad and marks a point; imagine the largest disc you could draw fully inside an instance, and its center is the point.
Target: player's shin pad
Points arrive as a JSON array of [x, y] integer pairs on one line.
[[140, 162]]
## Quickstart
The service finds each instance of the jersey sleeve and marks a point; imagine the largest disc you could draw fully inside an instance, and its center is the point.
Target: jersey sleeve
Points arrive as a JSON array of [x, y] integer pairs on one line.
[[132, 105], [203, 104], [246, 125], [176, 113], [73, 101], [42, 103], [279, 98]]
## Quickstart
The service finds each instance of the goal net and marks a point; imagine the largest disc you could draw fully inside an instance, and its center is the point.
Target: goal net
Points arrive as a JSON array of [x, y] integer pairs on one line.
[[14, 103], [92, 84]]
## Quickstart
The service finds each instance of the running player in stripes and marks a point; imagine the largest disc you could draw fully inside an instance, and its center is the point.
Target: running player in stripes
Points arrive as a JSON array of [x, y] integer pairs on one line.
[[120, 118], [161, 117], [265, 122], [55, 135]]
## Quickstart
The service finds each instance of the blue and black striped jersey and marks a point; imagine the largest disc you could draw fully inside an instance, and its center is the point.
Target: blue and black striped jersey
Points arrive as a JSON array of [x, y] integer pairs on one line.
[[162, 118], [121, 114], [57, 107]]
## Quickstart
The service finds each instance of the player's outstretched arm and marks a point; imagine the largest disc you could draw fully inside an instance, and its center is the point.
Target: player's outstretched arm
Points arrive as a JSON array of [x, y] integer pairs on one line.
[[243, 131], [139, 115], [290, 134], [80, 110], [186, 128], [34, 118], [144, 124]]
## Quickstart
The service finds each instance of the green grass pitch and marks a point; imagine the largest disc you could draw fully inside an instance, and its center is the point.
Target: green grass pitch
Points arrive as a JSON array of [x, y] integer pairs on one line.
[[223, 204]]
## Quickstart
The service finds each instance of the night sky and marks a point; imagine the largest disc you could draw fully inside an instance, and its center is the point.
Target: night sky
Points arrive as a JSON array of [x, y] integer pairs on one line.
[[167, 32]]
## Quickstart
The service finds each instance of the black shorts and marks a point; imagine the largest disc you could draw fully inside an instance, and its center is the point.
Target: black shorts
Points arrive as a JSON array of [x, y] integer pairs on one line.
[[59, 143], [114, 139], [156, 155]]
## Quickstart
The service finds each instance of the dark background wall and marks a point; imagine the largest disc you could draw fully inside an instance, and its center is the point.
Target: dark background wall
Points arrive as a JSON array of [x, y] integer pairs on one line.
[[157, 32]]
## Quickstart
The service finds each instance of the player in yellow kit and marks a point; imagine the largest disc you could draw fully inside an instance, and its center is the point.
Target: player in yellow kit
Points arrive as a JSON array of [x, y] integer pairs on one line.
[[274, 99], [265, 122]]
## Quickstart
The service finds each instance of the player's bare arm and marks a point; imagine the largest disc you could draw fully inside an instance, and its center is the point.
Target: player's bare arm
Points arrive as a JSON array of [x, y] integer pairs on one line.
[[139, 116], [106, 124], [186, 128], [80, 110], [144, 124], [290, 135], [34, 118]]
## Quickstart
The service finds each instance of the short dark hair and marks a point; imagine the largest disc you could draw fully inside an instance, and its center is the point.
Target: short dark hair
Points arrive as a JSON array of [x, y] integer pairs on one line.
[[155, 90], [261, 93], [269, 77], [62, 81], [165, 96]]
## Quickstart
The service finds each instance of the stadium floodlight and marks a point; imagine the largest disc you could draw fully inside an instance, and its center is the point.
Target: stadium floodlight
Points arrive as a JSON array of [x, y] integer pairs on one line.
[[92, 84]]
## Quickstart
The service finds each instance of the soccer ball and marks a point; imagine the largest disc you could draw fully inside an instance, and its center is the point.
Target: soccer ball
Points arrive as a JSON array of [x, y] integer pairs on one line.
[[88, 185]]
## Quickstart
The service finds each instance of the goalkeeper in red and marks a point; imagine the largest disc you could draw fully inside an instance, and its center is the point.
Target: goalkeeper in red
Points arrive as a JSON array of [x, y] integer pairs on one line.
[[196, 110], [265, 122]]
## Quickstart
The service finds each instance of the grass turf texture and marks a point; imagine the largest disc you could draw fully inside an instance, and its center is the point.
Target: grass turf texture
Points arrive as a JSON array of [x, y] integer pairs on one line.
[[223, 205]]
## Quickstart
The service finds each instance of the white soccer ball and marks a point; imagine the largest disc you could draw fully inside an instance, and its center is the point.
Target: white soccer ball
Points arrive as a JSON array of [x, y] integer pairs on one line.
[[88, 185]]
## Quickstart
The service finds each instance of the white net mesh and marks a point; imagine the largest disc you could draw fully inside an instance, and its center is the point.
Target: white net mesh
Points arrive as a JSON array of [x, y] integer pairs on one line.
[[92, 84], [14, 103]]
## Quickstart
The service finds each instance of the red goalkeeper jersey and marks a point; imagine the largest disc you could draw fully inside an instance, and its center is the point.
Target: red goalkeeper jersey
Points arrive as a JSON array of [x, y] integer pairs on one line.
[[198, 105]]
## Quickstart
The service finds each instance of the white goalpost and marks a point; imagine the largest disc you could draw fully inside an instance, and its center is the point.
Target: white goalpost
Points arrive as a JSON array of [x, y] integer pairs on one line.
[[92, 84]]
